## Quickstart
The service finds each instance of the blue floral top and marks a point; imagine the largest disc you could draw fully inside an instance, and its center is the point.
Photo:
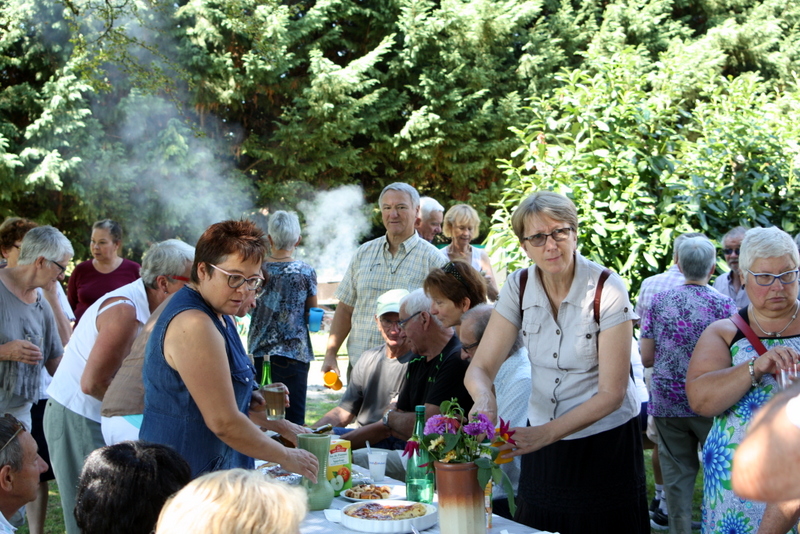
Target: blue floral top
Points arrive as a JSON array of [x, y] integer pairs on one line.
[[675, 320], [278, 325], [723, 511]]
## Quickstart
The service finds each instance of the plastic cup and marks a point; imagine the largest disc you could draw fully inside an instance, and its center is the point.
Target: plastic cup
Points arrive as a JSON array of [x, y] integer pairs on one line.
[[332, 381], [275, 397], [377, 465], [315, 319]]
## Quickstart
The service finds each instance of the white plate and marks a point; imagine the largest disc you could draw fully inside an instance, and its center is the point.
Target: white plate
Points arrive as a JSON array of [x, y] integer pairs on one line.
[[394, 494], [390, 527]]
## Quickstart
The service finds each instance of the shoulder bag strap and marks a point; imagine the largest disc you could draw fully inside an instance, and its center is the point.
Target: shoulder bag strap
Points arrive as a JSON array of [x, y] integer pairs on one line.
[[598, 293], [523, 282], [751, 336]]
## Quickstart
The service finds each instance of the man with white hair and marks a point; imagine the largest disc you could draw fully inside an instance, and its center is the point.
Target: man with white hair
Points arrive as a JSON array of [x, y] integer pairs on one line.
[[20, 467], [730, 283], [398, 260], [429, 222]]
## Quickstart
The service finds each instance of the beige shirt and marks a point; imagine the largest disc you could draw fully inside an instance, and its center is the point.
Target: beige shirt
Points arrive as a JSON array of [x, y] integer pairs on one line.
[[563, 351]]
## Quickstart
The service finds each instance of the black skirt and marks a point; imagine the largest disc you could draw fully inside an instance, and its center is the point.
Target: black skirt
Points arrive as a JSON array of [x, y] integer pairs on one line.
[[589, 485]]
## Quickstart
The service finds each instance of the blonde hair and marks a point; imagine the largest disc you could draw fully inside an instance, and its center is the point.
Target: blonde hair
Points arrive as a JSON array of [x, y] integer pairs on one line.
[[237, 501], [460, 214]]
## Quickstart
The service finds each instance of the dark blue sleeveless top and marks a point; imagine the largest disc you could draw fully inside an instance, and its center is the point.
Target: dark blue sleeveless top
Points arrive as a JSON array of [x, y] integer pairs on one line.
[[171, 416]]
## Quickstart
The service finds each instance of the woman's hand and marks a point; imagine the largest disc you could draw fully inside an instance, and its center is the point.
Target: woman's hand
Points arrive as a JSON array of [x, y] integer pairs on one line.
[[22, 351], [777, 358], [487, 405], [301, 462], [257, 402], [528, 439]]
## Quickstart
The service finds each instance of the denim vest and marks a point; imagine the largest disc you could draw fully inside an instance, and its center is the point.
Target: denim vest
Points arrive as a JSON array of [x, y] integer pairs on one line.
[[171, 416]]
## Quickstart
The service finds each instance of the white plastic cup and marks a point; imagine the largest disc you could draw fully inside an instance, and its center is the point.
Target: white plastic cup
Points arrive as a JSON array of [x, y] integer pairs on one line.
[[377, 465]]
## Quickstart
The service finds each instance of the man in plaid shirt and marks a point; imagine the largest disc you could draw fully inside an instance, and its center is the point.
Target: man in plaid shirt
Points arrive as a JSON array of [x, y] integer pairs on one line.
[[398, 260]]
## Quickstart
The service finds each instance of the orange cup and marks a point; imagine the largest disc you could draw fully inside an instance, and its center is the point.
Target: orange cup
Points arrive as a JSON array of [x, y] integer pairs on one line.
[[332, 381]]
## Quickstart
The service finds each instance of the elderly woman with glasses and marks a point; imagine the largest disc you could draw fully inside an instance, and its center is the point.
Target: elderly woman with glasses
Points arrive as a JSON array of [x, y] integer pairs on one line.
[[29, 336], [731, 375], [454, 289], [583, 431], [198, 380]]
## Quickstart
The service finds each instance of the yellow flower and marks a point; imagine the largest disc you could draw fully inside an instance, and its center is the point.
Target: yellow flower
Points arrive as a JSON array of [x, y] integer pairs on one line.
[[438, 442], [449, 457]]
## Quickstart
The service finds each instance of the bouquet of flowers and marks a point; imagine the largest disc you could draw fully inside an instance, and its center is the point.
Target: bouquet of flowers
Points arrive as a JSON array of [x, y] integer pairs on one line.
[[449, 440]]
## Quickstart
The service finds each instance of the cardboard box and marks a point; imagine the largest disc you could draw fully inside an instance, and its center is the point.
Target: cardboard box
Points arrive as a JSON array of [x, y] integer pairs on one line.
[[340, 467]]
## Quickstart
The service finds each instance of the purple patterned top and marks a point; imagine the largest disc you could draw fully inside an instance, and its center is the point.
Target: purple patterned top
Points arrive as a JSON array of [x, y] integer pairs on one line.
[[676, 319]]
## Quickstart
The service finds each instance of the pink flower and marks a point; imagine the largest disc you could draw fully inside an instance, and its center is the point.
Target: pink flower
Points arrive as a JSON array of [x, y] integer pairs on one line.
[[412, 448], [480, 425]]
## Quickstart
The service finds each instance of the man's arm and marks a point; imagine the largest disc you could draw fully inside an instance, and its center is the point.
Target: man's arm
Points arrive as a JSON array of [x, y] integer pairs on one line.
[[338, 416], [340, 327], [401, 423]]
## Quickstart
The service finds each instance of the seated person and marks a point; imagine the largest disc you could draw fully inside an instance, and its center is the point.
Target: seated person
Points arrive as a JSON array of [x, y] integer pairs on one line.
[[376, 378], [435, 374], [20, 467], [512, 387], [236, 501], [123, 487]]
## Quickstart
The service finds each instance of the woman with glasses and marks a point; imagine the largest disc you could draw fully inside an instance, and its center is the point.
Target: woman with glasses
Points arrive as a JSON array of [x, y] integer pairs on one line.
[[582, 465], [461, 224], [94, 354], [279, 324], [198, 380], [105, 272], [731, 375], [454, 289]]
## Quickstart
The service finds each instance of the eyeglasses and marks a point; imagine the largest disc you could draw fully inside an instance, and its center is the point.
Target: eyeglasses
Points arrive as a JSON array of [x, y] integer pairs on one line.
[[17, 426], [402, 324], [386, 323], [451, 269], [469, 347], [767, 279], [729, 251], [236, 281], [63, 269], [538, 240]]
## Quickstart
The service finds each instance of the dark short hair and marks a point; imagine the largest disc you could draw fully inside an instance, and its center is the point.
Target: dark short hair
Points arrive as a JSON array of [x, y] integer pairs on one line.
[[14, 229], [243, 238], [12, 455], [113, 228], [123, 487], [468, 283]]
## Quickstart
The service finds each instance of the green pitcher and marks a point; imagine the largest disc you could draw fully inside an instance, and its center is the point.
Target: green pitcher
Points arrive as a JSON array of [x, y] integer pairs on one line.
[[320, 495]]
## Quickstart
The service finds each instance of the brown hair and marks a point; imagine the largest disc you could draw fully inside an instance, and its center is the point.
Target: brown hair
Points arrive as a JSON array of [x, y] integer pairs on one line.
[[14, 229], [557, 207], [456, 281], [243, 238]]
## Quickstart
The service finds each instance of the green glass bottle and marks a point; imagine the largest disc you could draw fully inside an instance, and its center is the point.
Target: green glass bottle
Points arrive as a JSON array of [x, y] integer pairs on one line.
[[419, 473]]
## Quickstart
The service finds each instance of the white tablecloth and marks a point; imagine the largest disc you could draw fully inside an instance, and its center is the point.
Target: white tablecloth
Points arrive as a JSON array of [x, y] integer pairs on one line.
[[316, 523]]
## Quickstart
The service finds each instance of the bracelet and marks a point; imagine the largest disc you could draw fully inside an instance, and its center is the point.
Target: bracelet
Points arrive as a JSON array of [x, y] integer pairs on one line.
[[752, 367]]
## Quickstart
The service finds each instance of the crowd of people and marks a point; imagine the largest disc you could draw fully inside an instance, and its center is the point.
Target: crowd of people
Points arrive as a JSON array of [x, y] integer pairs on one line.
[[135, 381]]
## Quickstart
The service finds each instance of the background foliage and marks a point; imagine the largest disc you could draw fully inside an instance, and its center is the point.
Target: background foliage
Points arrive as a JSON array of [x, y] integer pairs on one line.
[[656, 116]]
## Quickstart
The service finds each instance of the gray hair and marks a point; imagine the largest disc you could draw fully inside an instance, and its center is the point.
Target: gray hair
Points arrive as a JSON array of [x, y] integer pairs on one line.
[[761, 243], [12, 455], [113, 228], [739, 231], [284, 229], [696, 257], [417, 301], [478, 318], [678, 240], [428, 205], [403, 188], [168, 258], [46, 242], [557, 207]]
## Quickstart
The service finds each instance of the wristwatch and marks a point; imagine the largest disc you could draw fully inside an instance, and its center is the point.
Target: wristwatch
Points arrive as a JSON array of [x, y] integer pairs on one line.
[[385, 418]]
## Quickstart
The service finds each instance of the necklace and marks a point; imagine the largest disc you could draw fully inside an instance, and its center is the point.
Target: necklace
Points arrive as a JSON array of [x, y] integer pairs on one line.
[[776, 334]]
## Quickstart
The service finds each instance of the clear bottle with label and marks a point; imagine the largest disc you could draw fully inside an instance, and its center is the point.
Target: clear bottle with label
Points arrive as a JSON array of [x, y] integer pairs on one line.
[[419, 469]]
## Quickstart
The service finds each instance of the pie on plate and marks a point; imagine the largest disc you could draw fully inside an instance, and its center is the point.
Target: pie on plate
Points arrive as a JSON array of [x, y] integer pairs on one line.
[[364, 492], [387, 512]]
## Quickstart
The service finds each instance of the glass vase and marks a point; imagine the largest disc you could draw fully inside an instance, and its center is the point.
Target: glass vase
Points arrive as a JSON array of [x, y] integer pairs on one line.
[[320, 494]]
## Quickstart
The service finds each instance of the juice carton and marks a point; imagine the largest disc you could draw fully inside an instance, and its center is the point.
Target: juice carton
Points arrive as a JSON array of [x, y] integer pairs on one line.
[[340, 465]]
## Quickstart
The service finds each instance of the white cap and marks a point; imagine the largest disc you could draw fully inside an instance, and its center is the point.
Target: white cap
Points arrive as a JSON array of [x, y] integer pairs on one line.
[[390, 301]]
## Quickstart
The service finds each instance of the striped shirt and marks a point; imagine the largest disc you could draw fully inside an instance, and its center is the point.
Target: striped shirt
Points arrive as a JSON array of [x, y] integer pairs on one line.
[[372, 272]]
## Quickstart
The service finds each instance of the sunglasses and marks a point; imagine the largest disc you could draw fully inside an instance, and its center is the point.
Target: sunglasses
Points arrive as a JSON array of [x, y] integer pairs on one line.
[[729, 251], [16, 425]]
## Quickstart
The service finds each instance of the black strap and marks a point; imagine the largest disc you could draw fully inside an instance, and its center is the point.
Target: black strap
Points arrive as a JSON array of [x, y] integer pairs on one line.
[[523, 282], [598, 292]]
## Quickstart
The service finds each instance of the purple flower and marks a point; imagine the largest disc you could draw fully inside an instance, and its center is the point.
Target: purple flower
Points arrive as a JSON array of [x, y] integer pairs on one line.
[[480, 425], [439, 424]]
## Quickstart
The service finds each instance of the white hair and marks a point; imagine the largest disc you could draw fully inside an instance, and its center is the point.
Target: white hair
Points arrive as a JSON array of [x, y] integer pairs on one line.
[[46, 242], [428, 205]]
